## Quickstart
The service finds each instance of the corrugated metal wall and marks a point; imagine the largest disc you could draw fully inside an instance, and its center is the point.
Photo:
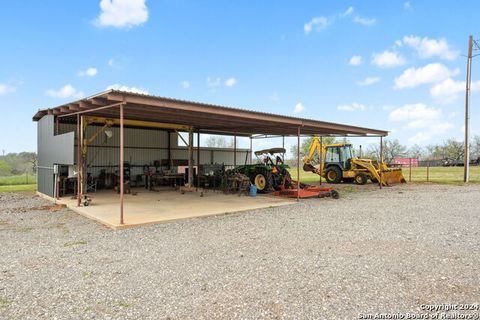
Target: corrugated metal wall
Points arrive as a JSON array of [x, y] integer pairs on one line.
[[143, 147], [51, 149]]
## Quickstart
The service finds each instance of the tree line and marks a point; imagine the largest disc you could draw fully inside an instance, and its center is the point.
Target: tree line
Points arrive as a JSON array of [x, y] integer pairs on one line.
[[18, 163], [392, 148]]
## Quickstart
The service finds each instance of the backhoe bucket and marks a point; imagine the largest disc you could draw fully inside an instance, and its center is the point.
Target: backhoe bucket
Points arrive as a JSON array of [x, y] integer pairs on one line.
[[393, 176], [309, 168]]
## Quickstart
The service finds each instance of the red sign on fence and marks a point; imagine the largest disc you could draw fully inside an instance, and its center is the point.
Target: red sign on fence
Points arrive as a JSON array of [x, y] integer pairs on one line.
[[405, 162]]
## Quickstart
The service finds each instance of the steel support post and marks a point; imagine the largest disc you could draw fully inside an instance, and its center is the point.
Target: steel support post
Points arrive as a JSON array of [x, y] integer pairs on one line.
[[79, 155], [121, 164], [234, 150], [381, 162], [190, 159], [320, 160], [298, 164], [169, 155], [83, 160], [251, 155], [198, 155]]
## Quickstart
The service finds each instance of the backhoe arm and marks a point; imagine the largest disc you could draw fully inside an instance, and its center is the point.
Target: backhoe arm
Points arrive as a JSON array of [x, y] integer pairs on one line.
[[315, 147]]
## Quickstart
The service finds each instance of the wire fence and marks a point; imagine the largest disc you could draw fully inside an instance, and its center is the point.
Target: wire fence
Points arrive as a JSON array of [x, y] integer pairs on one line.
[[426, 172]]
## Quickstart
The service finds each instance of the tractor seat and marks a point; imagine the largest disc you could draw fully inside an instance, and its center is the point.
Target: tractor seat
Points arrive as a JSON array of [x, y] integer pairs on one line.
[[348, 165]]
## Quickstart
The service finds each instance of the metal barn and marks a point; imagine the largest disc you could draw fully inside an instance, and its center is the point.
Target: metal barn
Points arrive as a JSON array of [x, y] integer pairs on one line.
[[121, 136]]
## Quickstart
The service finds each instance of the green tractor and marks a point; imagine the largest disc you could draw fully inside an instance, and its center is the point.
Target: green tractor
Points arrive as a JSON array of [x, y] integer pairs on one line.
[[267, 174]]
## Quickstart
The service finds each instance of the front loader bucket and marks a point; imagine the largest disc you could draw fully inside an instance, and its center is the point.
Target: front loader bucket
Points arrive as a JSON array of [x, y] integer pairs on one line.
[[393, 176]]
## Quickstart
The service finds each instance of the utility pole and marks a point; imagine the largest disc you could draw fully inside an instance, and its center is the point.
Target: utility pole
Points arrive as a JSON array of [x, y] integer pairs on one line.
[[466, 155]]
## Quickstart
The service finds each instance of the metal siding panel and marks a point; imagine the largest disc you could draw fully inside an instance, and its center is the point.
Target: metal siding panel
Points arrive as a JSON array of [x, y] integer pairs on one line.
[[53, 149], [45, 181]]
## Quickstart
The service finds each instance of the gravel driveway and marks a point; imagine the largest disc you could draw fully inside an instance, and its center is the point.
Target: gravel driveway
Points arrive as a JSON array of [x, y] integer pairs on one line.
[[390, 250]]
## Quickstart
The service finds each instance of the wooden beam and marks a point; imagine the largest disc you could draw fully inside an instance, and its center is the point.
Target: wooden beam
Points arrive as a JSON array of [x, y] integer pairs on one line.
[[85, 105], [73, 107], [98, 101]]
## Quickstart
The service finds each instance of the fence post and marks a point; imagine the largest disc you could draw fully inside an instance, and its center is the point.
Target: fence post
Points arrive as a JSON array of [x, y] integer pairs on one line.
[[410, 171], [428, 170]]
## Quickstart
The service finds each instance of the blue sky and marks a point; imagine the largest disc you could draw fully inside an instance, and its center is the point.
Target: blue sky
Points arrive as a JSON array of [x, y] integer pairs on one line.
[[394, 65]]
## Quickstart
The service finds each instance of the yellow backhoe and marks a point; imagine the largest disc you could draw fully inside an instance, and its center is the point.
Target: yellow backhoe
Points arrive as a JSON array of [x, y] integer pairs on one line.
[[337, 164]]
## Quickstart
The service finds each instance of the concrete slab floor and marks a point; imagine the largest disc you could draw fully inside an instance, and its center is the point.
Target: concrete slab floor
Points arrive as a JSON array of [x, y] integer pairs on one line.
[[147, 207]]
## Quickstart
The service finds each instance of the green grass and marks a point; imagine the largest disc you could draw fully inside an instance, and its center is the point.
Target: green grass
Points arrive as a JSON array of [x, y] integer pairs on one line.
[[22, 179], [4, 302], [75, 243], [19, 183], [449, 175], [444, 175], [19, 188]]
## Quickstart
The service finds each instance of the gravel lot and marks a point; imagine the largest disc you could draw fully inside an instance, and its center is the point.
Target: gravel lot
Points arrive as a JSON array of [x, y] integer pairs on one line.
[[387, 251]]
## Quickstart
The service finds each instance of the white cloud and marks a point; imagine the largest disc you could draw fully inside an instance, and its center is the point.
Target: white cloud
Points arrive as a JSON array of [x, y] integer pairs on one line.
[[449, 90], [351, 107], [185, 84], [317, 24], [274, 97], [111, 62], [431, 73], [364, 21], [427, 48], [5, 88], [418, 116], [432, 131], [230, 82], [122, 13], [66, 91], [298, 108], [90, 72], [213, 82], [368, 81], [217, 82], [387, 59], [127, 89], [347, 12], [407, 5], [355, 61]]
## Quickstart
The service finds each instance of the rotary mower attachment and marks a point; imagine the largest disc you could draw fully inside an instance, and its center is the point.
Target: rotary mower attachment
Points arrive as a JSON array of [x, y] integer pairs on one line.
[[309, 192], [289, 189]]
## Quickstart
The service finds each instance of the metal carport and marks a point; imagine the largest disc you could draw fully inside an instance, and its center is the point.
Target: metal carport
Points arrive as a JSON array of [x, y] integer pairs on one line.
[[139, 110]]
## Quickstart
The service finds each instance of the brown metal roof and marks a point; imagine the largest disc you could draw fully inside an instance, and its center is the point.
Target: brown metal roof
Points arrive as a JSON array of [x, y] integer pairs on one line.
[[201, 116]]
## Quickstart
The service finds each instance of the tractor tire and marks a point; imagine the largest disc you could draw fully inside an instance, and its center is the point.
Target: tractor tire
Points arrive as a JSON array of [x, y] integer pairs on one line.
[[361, 178], [333, 175], [263, 181]]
